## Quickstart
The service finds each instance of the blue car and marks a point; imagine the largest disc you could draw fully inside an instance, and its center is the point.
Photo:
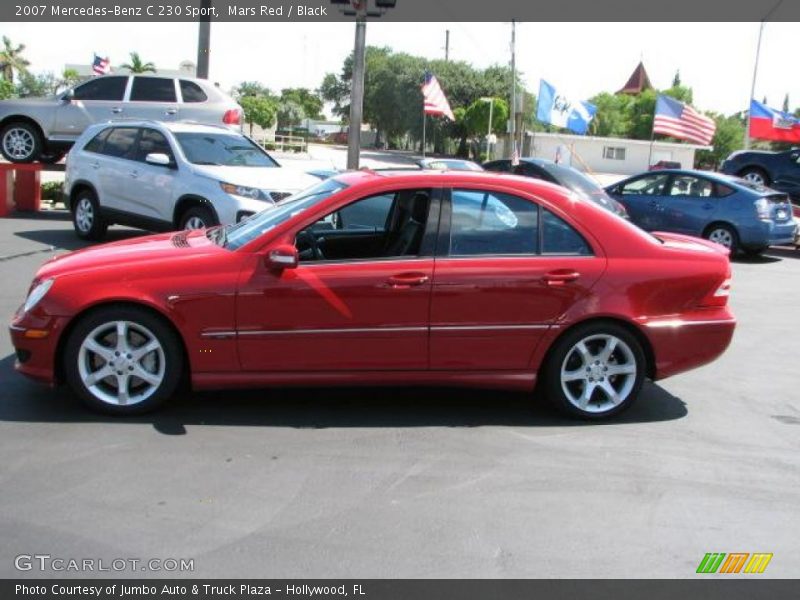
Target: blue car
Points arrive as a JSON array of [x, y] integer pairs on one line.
[[740, 215]]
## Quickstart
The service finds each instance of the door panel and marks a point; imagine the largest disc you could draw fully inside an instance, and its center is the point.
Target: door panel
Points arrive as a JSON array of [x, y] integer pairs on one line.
[[94, 101], [336, 316]]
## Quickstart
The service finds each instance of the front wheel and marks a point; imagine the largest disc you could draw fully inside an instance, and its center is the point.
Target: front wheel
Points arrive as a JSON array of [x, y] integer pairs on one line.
[[595, 371], [86, 218], [198, 217], [20, 142], [123, 360]]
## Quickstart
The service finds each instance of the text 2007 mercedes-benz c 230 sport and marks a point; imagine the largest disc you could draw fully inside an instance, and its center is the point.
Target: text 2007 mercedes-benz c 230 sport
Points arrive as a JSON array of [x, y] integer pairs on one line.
[[385, 278]]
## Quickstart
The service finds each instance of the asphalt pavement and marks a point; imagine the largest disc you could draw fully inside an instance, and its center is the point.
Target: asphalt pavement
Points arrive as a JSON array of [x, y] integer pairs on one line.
[[412, 482]]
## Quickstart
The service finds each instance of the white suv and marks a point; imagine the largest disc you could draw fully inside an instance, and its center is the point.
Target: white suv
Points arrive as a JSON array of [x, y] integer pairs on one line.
[[165, 176]]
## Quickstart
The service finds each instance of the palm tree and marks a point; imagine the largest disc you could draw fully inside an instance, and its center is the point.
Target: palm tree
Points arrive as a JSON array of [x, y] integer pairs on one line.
[[138, 66], [11, 59]]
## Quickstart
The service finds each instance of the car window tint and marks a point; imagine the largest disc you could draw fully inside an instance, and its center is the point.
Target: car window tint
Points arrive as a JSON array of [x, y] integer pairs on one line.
[[723, 190], [191, 92], [228, 149], [499, 166], [559, 237], [152, 141], [96, 143], [121, 142], [153, 89], [102, 88], [649, 185], [370, 213], [688, 185], [492, 223]]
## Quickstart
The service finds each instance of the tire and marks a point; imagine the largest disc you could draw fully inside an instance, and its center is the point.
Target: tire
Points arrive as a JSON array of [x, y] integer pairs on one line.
[[724, 235], [86, 218], [51, 158], [198, 217], [755, 175], [569, 371], [149, 377], [20, 142]]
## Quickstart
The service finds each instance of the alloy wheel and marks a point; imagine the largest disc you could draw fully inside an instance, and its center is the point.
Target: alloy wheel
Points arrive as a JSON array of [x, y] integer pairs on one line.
[[754, 177], [721, 236], [18, 143], [121, 363], [84, 215], [194, 223], [598, 373]]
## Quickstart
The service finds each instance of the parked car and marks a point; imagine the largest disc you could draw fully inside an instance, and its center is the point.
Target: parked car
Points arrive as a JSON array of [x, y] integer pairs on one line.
[[164, 176], [45, 128], [444, 164], [664, 164], [565, 176], [380, 278], [778, 170], [736, 213]]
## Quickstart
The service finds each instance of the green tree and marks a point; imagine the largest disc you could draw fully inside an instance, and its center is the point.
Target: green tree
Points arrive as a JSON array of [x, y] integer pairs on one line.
[[290, 114], [7, 89], [258, 110], [676, 81], [251, 88], [137, 65], [309, 100], [69, 78], [11, 59], [728, 137], [37, 86]]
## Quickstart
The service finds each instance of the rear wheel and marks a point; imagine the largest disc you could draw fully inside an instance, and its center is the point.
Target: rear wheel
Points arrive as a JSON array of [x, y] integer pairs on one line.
[[595, 371], [123, 360], [198, 217], [755, 175], [86, 218], [724, 235], [20, 142]]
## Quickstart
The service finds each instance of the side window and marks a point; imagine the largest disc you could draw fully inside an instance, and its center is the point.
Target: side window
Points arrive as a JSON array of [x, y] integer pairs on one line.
[[121, 142], [499, 166], [559, 237], [191, 92], [485, 223], [153, 89], [102, 88], [721, 190], [370, 213], [649, 185], [687, 185], [152, 141], [96, 143]]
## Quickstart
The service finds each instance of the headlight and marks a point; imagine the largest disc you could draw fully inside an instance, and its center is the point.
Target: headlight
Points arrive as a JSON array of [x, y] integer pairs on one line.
[[37, 293], [240, 190]]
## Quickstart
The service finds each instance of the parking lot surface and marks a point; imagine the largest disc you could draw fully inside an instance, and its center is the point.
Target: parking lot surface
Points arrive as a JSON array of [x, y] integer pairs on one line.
[[413, 482]]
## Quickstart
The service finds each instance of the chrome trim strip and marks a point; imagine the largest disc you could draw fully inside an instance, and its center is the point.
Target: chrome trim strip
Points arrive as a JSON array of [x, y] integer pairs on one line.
[[330, 330], [17, 328], [486, 327], [681, 323], [218, 334]]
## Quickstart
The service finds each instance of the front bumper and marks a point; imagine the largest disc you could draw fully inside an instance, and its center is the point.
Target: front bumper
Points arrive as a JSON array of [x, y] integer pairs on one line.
[[35, 339]]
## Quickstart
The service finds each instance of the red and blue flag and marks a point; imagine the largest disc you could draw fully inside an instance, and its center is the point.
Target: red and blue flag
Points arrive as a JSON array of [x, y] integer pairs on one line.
[[769, 124]]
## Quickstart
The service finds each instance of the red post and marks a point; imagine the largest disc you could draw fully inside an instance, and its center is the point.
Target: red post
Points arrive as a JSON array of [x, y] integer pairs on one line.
[[28, 190], [6, 193]]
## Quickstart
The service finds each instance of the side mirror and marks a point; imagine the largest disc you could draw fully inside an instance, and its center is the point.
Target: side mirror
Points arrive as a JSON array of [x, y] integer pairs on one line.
[[282, 257], [157, 158], [68, 96]]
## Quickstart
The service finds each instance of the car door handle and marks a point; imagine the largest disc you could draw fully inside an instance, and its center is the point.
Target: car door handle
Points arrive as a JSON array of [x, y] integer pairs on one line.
[[406, 280], [116, 110], [708, 206], [172, 111], [561, 276], [134, 174], [96, 165]]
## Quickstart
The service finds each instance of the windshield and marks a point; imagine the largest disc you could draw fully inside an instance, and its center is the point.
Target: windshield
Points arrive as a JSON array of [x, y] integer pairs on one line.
[[222, 149], [573, 179], [236, 236]]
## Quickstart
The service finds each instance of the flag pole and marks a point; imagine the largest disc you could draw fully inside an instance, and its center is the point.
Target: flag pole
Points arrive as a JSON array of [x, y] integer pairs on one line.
[[755, 72], [424, 120], [652, 139]]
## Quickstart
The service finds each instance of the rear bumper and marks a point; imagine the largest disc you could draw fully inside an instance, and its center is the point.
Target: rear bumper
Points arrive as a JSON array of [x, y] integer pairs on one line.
[[35, 340], [768, 233], [689, 341]]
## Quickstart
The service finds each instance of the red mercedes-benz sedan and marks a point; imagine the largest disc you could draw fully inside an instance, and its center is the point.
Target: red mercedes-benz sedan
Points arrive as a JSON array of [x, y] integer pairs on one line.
[[385, 278]]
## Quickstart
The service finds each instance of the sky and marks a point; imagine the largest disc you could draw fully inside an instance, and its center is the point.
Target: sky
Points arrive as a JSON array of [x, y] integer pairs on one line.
[[581, 59]]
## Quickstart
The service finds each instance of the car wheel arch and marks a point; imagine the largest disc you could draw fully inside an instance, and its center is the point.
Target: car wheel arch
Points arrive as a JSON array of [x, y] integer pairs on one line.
[[189, 201], [25, 119], [708, 228], [86, 311], [80, 186], [630, 326]]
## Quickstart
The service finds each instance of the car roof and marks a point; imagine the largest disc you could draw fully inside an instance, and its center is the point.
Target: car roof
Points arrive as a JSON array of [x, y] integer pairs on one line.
[[173, 126]]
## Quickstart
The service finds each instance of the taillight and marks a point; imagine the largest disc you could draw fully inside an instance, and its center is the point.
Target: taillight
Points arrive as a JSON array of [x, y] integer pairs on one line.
[[232, 117], [762, 209], [718, 297]]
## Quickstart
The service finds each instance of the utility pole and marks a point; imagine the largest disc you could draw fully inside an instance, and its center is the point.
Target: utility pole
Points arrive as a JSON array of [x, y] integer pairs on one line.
[[447, 45], [512, 126], [204, 40], [357, 92]]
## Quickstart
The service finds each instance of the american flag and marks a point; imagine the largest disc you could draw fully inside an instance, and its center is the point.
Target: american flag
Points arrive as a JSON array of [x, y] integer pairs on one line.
[[101, 66], [681, 121], [435, 101]]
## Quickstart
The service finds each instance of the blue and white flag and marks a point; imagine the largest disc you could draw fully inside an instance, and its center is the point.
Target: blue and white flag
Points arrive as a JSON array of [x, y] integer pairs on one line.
[[556, 109]]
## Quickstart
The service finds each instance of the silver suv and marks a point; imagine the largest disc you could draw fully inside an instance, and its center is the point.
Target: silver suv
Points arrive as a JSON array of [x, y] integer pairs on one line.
[[45, 128], [165, 176]]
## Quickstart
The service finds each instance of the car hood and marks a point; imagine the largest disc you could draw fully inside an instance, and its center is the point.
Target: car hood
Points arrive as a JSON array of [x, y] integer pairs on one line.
[[120, 255], [265, 178]]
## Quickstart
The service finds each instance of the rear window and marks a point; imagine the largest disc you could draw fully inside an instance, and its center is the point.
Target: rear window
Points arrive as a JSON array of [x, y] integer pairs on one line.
[[191, 92], [96, 143], [153, 89], [572, 179]]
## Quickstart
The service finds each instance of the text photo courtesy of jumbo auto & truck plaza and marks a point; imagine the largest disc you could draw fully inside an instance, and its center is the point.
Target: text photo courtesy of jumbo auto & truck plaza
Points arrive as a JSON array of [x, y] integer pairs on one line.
[[399, 299]]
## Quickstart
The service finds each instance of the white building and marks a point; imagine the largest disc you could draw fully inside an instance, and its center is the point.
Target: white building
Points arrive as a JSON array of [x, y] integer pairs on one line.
[[607, 155]]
